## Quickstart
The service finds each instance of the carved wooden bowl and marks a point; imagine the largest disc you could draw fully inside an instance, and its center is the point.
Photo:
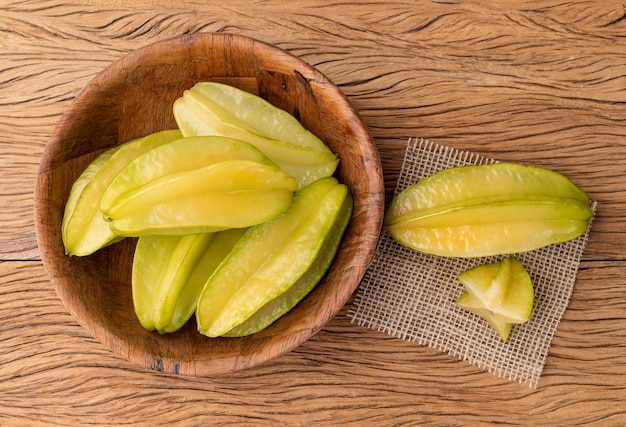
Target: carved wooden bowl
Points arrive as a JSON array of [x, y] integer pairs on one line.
[[133, 97]]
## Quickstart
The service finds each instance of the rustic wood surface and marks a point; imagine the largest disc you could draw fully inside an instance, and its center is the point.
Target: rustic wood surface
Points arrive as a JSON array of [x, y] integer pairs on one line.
[[537, 82]]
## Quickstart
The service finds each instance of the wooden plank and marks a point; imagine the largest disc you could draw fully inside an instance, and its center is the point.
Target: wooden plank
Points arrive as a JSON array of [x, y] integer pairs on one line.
[[52, 372]]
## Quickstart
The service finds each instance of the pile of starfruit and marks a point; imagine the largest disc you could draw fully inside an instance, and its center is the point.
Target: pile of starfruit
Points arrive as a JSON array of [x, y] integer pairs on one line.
[[237, 213]]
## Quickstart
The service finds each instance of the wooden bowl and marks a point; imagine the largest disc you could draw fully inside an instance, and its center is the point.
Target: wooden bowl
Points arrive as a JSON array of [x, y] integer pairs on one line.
[[133, 97]]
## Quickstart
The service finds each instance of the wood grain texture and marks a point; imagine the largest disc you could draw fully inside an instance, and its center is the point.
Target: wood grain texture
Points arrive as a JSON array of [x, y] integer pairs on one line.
[[538, 82]]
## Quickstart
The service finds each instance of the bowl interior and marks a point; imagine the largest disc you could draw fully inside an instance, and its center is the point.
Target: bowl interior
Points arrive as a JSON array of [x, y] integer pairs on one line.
[[133, 97]]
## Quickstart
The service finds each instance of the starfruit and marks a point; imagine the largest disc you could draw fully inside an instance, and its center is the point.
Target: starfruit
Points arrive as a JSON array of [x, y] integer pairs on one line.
[[169, 273], [196, 185], [282, 304], [84, 229], [255, 114], [216, 109], [501, 293], [270, 258], [493, 209]]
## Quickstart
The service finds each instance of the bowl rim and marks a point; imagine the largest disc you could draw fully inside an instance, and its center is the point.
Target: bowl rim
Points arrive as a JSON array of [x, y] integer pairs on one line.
[[372, 213]]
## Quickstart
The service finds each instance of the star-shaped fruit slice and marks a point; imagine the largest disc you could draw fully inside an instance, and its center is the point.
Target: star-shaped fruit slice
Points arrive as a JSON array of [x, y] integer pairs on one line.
[[501, 293]]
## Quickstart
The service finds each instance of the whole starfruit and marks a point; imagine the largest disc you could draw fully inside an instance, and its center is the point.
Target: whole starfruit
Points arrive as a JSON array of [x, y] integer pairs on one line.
[[483, 210], [211, 108], [196, 185]]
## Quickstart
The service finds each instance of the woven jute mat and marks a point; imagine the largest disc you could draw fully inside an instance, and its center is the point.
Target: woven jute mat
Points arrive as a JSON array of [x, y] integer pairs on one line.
[[411, 295]]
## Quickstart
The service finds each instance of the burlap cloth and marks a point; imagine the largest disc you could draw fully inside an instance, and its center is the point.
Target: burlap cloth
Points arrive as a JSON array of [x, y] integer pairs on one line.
[[411, 295]]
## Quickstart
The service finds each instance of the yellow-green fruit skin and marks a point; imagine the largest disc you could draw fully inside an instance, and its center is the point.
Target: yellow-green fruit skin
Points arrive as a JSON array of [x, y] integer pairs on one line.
[[270, 258], [84, 229], [175, 158], [214, 109], [196, 185], [169, 273], [282, 304], [161, 267], [485, 210], [257, 115]]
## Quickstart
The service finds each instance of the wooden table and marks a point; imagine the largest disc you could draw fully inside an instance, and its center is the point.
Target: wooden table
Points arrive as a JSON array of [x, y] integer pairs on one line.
[[536, 82]]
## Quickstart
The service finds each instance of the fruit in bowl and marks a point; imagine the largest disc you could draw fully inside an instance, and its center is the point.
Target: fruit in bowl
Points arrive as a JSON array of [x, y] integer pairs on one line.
[[134, 98]]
